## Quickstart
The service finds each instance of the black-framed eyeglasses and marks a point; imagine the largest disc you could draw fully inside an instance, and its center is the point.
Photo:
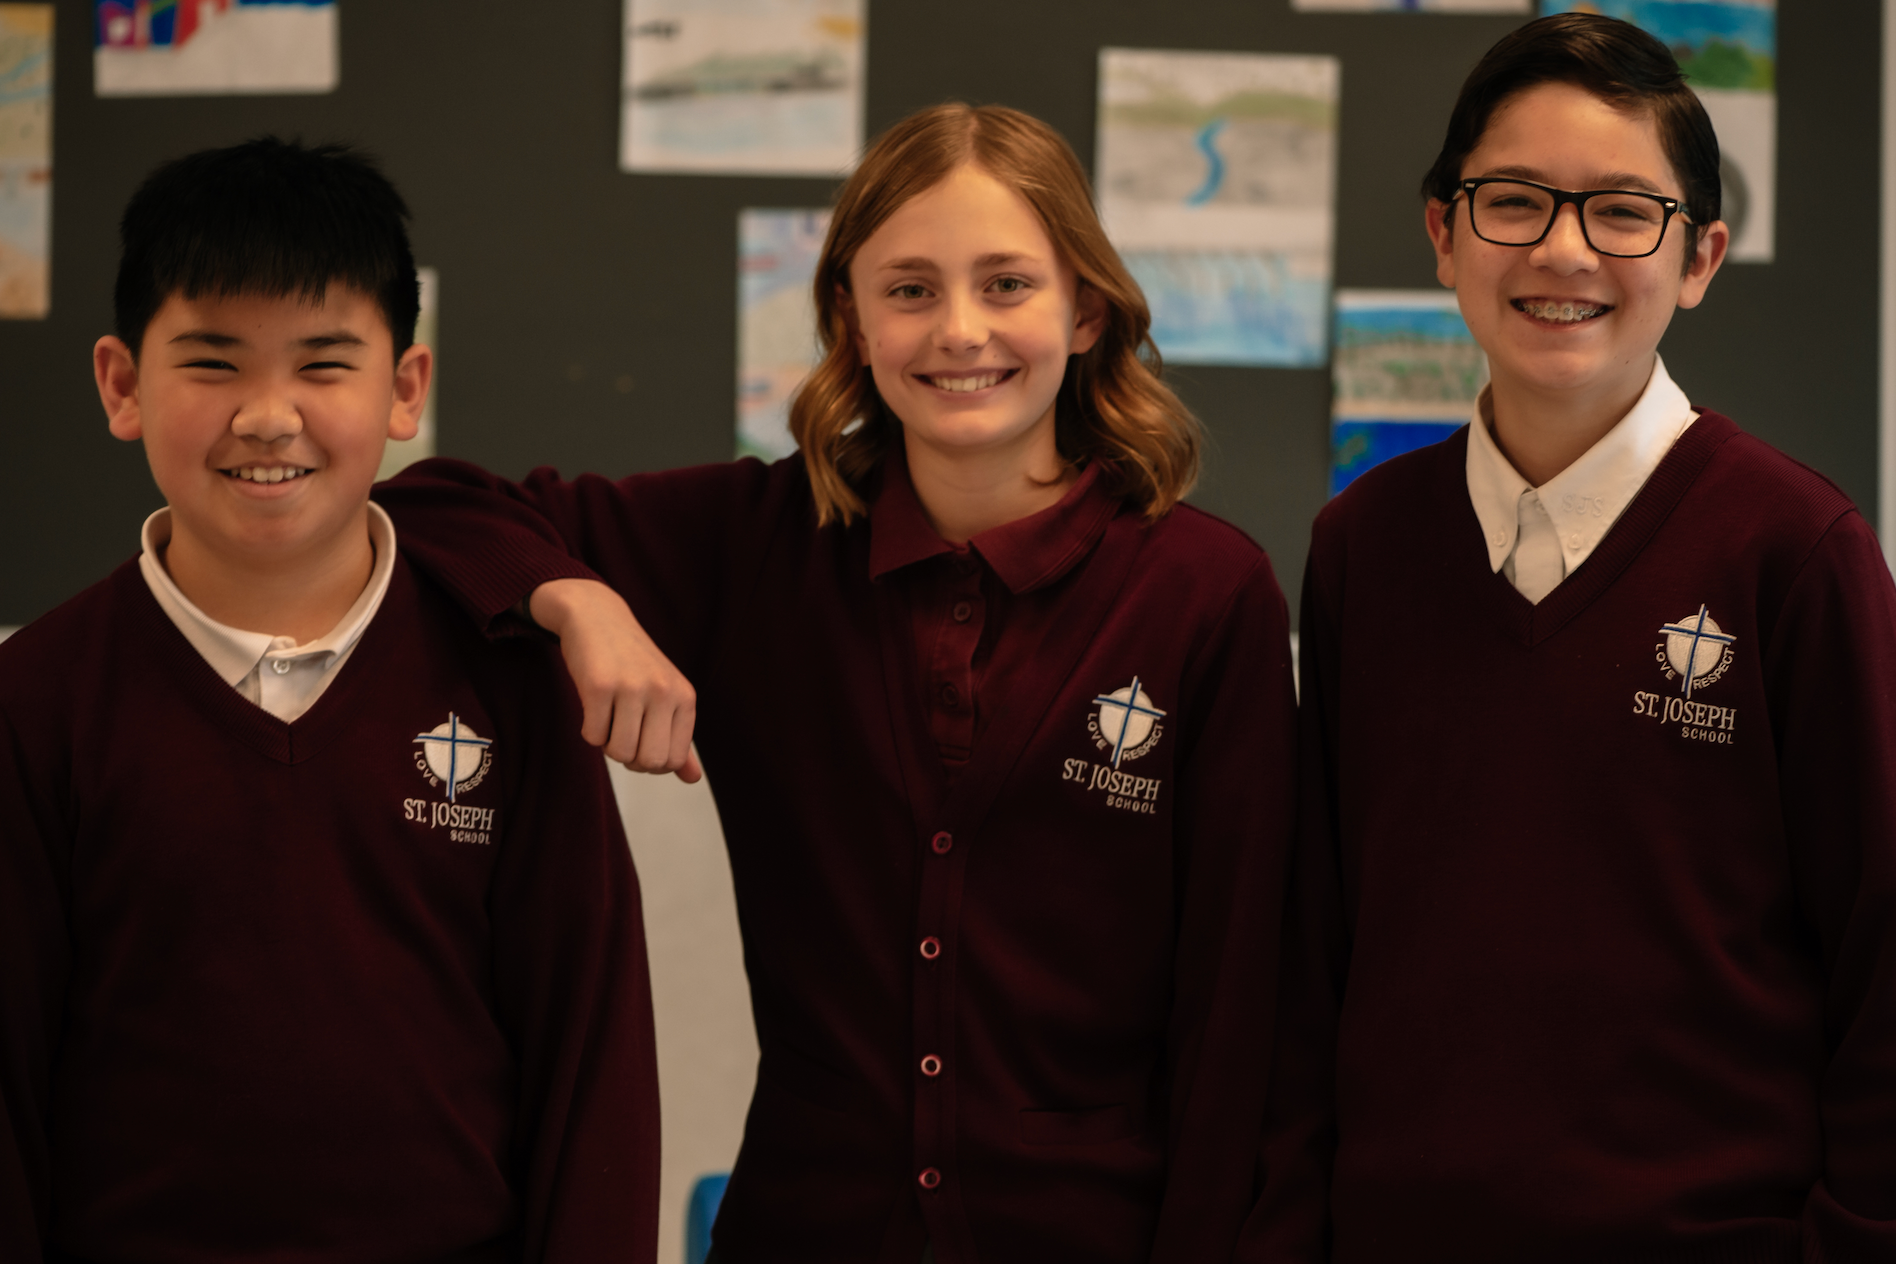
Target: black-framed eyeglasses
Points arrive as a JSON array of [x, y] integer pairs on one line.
[[1623, 223]]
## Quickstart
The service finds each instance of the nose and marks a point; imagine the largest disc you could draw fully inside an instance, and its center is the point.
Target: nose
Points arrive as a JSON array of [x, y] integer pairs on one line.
[[267, 418], [963, 324], [1565, 249]]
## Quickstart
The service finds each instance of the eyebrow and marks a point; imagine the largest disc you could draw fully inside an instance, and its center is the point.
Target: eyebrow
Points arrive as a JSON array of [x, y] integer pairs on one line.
[[315, 342], [918, 264], [1603, 180]]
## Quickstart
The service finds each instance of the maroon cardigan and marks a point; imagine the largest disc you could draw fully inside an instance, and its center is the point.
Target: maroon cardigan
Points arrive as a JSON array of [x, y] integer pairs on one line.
[[269, 991], [1616, 962], [1025, 1012]]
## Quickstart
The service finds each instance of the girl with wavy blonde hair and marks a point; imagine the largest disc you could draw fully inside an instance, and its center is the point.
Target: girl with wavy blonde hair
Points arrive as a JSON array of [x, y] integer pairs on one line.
[[1114, 408], [1000, 734]]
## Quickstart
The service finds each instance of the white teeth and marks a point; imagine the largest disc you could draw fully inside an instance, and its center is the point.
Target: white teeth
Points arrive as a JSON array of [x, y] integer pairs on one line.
[[1563, 313], [267, 473], [963, 384]]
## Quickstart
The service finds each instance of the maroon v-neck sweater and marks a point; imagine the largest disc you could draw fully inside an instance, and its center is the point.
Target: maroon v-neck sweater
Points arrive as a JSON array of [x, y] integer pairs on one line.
[[1023, 1004], [281, 991], [1617, 961]]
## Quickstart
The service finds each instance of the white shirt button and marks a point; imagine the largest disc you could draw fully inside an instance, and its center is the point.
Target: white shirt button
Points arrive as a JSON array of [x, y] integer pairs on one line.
[[281, 666], [1573, 541], [1498, 539]]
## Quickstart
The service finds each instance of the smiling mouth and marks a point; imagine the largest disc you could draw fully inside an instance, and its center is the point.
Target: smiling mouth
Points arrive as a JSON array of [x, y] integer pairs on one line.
[[968, 382], [1562, 311], [266, 473]]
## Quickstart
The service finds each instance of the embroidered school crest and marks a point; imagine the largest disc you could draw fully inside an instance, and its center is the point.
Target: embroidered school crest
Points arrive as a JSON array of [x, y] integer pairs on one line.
[[453, 755], [1125, 722], [1696, 652]]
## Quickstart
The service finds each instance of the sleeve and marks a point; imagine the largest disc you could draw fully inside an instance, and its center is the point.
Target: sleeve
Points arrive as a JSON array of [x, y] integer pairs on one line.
[[1292, 1222], [573, 992], [1831, 672], [1232, 824], [665, 541], [34, 967]]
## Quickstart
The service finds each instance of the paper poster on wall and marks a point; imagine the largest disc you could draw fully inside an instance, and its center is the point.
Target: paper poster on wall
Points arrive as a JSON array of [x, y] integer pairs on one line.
[[742, 87], [776, 323], [1216, 175], [1728, 50], [399, 455], [1412, 6], [147, 48], [1406, 373], [26, 160]]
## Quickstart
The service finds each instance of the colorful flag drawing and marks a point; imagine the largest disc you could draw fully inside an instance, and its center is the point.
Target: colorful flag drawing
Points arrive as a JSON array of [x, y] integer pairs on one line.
[[211, 47]]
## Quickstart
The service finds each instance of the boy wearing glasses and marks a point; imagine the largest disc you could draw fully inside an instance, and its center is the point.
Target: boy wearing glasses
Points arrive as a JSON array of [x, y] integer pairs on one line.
[[1599, 700]]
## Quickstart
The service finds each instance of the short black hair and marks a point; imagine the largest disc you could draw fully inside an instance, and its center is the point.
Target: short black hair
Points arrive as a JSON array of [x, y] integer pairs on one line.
[[268, 217], [1615, 61]]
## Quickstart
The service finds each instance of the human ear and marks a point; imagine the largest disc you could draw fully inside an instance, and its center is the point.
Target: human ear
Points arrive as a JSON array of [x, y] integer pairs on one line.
[[1713, 241], [1089, 319], [1442, 237], [413, 373], [846, 306], [116, 371]]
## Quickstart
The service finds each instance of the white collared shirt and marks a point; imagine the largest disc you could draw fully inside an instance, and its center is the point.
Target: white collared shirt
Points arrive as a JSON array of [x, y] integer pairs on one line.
[[1540, 535], [274, 672]]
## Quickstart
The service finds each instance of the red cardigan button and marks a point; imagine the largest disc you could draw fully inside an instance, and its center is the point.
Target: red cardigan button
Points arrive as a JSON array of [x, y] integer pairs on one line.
[[931, 1066], [931, 948], [929, 1178], [942, 842]]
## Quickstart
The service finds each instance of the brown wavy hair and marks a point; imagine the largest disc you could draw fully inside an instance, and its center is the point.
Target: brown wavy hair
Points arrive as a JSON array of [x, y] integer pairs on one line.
[[1112, 408]]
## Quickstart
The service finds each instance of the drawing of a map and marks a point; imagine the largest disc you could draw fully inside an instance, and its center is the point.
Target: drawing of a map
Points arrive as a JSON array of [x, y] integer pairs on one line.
[[26, 159], [761, 87], [776, 323], [1216, 175], [1405, 373]]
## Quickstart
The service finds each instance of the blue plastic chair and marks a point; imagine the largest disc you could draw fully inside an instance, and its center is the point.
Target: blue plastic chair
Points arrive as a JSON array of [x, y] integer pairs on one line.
[[701, 1212]]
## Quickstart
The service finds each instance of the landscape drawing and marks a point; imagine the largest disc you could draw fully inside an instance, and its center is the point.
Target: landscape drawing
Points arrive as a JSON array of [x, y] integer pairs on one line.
[[1216, 176], [26, 160], [213, 47], [742, 87], [1405, 373], [1728, 51], [776, 323]]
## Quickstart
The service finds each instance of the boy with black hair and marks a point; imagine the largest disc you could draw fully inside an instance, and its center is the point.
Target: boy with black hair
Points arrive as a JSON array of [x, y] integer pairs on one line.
[[1599, 699], [319, 939]]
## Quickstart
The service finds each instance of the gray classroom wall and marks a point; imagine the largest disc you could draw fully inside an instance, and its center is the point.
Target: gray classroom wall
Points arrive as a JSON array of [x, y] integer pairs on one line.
[[562, 276]]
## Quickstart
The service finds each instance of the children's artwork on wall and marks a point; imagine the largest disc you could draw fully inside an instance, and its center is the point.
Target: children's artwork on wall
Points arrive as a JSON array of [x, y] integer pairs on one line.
[[400, 454], [1728, 50], [26, 160], [776, 323], [742, 87], [149, 48], [1412, 6], [1406, 374], [1217, 176]]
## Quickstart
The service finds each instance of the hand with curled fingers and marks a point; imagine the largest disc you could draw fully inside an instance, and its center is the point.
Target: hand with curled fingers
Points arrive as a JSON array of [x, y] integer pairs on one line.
[[638, 706]]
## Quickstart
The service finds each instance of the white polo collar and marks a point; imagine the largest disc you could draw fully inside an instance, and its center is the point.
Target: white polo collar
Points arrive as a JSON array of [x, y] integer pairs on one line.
[[235, 654], [1585, 499]]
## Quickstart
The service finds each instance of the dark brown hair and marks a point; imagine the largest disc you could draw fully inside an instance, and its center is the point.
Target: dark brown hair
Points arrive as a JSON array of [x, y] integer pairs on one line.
[[1616, 62], [1112, 407]]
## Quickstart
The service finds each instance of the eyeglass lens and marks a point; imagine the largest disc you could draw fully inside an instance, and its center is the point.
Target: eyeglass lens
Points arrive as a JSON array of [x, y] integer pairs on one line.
[[1510, 214]]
